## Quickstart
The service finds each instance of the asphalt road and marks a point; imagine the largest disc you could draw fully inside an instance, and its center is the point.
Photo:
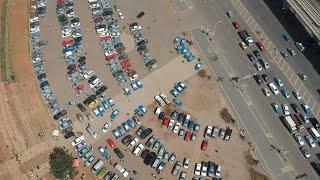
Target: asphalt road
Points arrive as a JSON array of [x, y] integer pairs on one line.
[[225, 42], [272, 27]]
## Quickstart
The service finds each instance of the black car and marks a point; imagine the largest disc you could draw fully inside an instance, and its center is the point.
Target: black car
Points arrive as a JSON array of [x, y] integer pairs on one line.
[[101, 90], [251, 57], [60, 114], [265, 77], [316, 167], [140, 15], [143, 42], [43, 75], [140, 130], [258, 79], [145, 133], [98, 19], [127, 139], [181, 117], [150, 158], [92, 78], [145, 153], [296, 108], [107, 13], [89, 99], [162, 115], [118, 152], [257, 53], [81, 107], [142, 48], [74, 20], [69, 135]]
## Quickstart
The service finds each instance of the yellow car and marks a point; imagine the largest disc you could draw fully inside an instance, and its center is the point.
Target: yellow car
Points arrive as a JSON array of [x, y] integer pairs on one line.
[[93, 104], [243, 45]]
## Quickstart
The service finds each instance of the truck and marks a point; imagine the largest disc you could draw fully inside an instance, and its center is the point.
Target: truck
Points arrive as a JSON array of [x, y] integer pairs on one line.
[[290, 124], [297, 121], [246, 37]]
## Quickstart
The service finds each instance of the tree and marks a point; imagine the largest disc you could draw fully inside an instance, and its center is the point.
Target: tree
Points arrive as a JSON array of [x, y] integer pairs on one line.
[[61, 164]]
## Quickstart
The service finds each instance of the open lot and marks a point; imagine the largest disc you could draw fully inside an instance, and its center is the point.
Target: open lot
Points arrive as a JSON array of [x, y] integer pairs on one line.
[[27, 123]]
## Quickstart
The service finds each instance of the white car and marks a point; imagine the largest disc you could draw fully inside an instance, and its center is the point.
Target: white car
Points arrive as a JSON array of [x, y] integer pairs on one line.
[[92, 6], [186, 163], [76, 24], [208, 132], [218, 170], [106, 127], [176, 128], [305, 152], [170, 125], [157, 111], [296, 95], [135, 28], [266, 92], [273, 88], [298, 138], [310, 141], [285, 109], [197, 169], [300, 46], [159, 100], [165, 98], [204, 170], [258, 66], [133, 143], [137, 150], [120, 15]]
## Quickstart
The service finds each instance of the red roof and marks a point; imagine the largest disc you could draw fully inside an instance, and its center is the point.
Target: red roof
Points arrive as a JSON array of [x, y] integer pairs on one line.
[[260, 45], [125, 64]]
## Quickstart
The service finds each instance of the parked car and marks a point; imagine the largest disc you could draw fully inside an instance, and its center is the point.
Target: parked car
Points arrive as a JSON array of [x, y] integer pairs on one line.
[[204, 145], [119, 153], [176, 168]]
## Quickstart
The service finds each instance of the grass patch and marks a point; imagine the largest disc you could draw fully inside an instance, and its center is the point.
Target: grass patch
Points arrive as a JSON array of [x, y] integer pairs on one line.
[[4, 39]]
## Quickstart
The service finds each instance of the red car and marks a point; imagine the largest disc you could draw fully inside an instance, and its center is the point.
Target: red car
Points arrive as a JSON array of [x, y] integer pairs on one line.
[[260, 45], [236, 24], [165, 121], [111, 143], [187, 136], [204, 145]]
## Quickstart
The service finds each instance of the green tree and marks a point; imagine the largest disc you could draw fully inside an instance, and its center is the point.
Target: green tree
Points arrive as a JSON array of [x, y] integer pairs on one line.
[[61, 164]]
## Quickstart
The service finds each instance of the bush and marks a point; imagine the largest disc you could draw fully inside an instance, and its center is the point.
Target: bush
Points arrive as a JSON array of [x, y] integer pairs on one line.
[[61, 164], [225, 115], [202, 73]]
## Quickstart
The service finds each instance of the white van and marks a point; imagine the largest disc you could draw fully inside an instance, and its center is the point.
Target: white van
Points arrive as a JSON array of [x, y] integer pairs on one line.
[[314, 133], [97, 166]]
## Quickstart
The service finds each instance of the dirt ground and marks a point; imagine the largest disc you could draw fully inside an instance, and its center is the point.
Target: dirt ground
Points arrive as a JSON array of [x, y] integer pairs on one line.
[[24, 119]]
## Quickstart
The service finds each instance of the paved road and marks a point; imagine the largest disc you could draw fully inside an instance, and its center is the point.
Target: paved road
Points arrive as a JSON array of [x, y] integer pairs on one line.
[[272, 27], [236, 64]]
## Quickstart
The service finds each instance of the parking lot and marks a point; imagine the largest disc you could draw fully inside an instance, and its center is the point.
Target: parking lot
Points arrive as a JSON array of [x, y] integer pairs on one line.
[[88, 56]]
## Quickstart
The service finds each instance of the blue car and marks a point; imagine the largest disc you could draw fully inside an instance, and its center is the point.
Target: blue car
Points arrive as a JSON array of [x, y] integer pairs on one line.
[[177, 40], [191, 125], [286, 37], [114, 114], [174, 92], [179, 49], [198, 66], [143, 109], [191, 58], [306, 108], [126, 126], [116, 133], [103, 152], [131, 123], [138, 112], [97, 113], [178, 102], [284, 54], [105, 104]]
